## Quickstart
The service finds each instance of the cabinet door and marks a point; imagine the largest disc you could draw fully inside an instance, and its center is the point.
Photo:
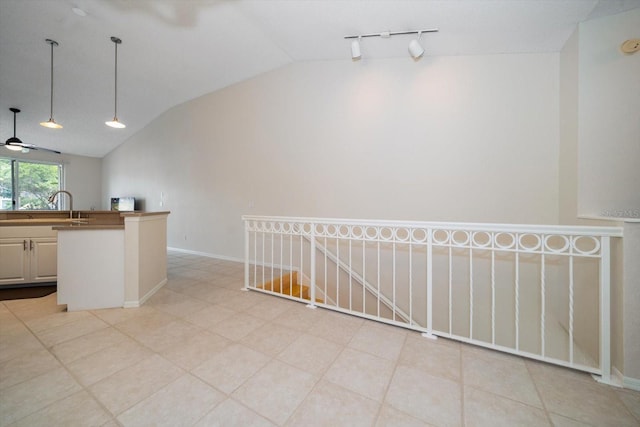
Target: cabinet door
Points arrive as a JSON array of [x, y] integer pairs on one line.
[[14, 261], [44, 259]]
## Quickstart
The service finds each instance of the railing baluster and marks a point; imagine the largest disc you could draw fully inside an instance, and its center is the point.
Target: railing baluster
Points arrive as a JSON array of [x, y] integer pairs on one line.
[[364, 275], [337, 274], [291, 256], [493, 290], [542, 304], [394, 280], [350, 275], [312, 266], [517, 297], [470, 290], [301, 229], [246, 256], [272, 238], [410, 282], [450, 290], [325, 263], [571, 308], [378, 266], [430, 283]]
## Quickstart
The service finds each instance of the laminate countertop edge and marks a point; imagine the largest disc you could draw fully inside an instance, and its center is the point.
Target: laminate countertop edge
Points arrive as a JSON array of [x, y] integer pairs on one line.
[[88, 227]]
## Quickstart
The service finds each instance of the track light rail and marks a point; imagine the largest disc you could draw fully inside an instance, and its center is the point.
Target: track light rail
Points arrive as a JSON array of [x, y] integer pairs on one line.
[[387, 34]]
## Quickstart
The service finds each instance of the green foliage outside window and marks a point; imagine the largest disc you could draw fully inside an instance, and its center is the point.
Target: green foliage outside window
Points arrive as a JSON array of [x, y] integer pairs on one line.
[[34, 183]]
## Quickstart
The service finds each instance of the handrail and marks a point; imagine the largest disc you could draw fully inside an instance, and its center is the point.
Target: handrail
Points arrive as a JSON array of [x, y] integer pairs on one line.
[[575, 230]]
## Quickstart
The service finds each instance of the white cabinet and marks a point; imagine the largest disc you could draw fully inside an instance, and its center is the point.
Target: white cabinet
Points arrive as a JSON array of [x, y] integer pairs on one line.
[[28, 255]]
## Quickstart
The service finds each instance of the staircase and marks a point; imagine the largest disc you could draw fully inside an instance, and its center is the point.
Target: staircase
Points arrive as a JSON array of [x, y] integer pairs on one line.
[[287, 284]]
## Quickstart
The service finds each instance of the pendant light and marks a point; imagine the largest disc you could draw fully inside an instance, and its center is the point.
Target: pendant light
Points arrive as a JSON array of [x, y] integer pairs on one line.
[[51, 123], [115, 123]]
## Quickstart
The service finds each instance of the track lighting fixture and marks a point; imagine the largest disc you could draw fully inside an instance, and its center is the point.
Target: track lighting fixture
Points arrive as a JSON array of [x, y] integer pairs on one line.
[[115, 123], [415, 49], [51, 123], [355, 49]]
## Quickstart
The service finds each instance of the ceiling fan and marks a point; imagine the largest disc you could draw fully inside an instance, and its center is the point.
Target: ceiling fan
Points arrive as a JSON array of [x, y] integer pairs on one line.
[[14, 142]]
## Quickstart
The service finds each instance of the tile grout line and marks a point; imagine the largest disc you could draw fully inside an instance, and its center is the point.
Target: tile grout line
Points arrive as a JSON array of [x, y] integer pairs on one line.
[[69, 372]]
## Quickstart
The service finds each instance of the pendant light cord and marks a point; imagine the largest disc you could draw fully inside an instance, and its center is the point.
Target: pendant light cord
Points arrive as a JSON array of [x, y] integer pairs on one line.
[[51, 98], [115, 107]]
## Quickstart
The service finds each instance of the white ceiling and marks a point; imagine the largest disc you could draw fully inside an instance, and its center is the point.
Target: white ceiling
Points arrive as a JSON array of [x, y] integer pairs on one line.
[[177, 50]]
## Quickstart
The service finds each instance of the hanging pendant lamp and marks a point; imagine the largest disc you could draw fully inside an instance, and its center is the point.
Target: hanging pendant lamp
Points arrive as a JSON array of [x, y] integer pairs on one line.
[[115, 123], [51, 123]]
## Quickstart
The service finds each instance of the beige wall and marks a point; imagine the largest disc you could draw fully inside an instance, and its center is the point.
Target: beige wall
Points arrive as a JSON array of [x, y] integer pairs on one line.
[[83, 175], [450, 138], [568, 148], [609, 116]]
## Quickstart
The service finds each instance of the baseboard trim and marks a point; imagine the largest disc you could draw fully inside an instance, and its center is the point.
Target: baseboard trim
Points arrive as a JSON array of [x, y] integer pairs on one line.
[[631, 383], [141, 301], [624, 382], [205, 254]]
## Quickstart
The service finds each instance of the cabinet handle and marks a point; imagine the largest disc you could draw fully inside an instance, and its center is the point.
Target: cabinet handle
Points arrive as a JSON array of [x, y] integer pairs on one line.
[[24, 245], [30, 244]]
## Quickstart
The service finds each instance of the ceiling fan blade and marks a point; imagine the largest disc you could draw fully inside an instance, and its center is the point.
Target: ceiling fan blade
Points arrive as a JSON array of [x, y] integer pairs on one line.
[[15, 141], [50, 150], [35, 147]]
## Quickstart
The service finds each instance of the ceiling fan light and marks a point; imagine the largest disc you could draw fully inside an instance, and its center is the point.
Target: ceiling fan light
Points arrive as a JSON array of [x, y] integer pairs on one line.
[[115, 123], [13, 147], [51, 124]]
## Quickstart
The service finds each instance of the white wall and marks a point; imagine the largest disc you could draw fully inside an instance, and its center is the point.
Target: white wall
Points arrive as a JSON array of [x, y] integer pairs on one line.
[[449, 138], [82, 176], [568, 149], [609, 117]]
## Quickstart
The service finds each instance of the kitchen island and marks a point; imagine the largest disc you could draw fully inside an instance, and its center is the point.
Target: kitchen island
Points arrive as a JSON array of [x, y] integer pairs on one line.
[[112, 265]]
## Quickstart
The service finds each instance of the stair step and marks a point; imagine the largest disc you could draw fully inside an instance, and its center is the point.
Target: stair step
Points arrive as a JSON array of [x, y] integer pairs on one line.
[[288, 285], [278, 284]]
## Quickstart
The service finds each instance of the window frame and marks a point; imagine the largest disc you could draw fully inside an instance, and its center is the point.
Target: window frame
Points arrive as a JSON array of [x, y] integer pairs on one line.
[[61, 202]]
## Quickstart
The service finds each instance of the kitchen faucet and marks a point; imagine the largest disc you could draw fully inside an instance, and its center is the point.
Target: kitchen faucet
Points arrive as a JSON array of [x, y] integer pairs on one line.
[[52, 199]]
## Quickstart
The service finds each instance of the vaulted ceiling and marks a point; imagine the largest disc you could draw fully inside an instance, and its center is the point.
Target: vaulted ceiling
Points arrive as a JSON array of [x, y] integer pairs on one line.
[[176, 50]]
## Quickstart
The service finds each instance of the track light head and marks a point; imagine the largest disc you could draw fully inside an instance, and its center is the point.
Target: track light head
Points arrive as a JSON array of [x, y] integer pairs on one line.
[[415, 49], [356, 54]]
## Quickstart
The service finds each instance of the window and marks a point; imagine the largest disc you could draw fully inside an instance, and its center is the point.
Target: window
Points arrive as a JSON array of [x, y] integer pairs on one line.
[[27, 185]]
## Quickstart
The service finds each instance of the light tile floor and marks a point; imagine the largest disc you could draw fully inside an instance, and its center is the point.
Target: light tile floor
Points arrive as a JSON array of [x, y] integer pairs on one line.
[[203, 353]]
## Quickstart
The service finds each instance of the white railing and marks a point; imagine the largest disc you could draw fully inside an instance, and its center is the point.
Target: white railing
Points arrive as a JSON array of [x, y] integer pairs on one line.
[[541, 292]]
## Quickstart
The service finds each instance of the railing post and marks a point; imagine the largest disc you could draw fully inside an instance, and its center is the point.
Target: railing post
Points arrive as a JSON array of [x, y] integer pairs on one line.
[[605, 309], [429, 333], [246, 256], [312, 266]]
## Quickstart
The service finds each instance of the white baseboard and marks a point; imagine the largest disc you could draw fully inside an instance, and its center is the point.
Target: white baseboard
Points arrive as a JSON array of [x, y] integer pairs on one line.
[[624, 382], [205, 254], [631, 383], [138, 303]]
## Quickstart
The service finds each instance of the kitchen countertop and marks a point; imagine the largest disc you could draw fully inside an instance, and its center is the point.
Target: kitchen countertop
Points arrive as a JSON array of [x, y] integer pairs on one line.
[[85, 227], [43, 221], [61, 218]]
